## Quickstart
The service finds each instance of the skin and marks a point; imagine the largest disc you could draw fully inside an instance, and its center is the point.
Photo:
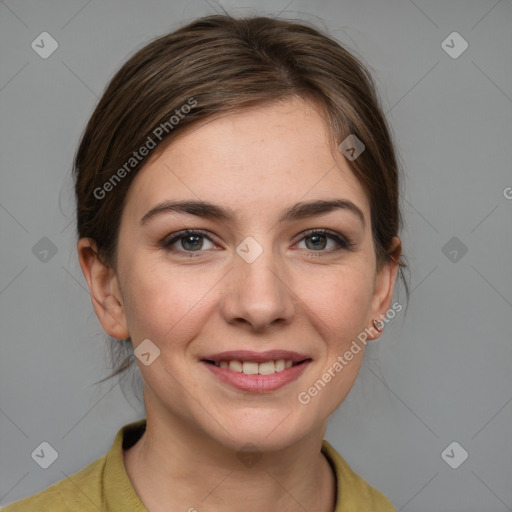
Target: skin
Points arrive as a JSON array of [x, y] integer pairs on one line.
[[293, 296]]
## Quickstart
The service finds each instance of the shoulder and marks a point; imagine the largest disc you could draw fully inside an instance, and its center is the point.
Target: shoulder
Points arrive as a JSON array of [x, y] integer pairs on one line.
[[102, 485], [80, 491], [353, 493]]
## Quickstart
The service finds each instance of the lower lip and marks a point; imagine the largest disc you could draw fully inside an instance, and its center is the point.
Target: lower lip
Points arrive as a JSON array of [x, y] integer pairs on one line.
[[258, 383]]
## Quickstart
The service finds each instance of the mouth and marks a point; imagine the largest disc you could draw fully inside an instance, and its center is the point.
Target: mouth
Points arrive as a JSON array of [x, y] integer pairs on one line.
[[257, 372], [254, 367]]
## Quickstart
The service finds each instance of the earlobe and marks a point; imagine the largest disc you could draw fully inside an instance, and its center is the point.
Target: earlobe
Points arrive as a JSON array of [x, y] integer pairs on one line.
[[103, 286]]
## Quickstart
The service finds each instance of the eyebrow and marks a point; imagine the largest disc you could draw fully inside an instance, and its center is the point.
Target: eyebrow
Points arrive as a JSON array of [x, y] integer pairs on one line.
[[298, 211]]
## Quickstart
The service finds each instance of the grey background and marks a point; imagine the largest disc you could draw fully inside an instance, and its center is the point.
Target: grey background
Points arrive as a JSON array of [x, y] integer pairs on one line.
[[441, 373]]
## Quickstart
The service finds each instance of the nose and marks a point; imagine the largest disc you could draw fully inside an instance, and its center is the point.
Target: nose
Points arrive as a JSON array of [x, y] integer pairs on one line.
[[258, 295]]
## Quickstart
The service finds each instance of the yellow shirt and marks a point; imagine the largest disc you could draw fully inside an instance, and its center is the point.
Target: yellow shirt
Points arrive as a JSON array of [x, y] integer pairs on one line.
[[104, 485]]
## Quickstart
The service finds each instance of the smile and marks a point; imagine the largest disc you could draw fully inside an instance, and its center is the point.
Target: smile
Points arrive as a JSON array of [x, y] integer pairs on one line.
[[257, 377], [255, 368]]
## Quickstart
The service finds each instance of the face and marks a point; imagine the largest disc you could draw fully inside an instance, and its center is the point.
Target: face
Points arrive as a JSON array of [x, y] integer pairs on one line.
[[252, 286]]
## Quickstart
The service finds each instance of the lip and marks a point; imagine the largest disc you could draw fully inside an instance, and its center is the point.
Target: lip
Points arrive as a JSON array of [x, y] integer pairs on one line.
[[258, 383], [256, 357]]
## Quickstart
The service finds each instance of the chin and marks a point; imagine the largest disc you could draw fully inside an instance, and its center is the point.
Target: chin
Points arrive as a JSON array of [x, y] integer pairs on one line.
[[267, 431]]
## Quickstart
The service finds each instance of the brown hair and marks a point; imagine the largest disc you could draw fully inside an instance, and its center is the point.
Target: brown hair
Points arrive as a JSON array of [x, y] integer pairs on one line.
[[214, 66]]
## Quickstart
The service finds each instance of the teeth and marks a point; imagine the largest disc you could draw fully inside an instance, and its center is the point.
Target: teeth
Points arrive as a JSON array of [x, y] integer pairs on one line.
[[253, 368], [250, 368], [279, 365], [236, 366], [265, 368]]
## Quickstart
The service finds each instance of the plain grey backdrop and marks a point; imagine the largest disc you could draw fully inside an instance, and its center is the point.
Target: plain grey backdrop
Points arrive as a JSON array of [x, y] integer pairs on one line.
[[440, 374]]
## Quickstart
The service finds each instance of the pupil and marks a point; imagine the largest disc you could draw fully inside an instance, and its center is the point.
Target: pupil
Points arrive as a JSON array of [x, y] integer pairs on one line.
[[194, 244], [316, 237]]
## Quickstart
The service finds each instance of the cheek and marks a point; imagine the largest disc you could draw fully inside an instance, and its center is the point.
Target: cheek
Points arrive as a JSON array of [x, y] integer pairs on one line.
[[340, 302], [339, 308], [171, 301], [164, 302]]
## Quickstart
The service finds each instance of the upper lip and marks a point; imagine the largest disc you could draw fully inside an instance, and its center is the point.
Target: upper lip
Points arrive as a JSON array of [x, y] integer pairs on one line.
[[257, 357]]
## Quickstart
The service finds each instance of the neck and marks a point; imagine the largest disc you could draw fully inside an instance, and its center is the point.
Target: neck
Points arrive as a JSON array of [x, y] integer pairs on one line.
[[173, 468]]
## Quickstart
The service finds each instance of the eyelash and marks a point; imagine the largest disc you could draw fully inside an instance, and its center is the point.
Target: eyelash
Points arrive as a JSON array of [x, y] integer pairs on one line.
[[343, 242]]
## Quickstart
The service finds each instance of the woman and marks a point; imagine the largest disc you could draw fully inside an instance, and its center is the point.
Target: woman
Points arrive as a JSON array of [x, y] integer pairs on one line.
[[238, 221]]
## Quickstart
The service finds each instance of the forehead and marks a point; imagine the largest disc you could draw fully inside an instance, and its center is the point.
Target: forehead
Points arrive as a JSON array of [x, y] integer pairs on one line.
[[255, 161]]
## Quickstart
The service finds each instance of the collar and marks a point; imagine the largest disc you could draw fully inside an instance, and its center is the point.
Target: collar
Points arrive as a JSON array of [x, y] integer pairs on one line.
[[120, 494]]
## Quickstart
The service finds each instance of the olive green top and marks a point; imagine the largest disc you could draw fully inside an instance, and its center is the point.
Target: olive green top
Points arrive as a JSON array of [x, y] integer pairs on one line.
[[104, 485]]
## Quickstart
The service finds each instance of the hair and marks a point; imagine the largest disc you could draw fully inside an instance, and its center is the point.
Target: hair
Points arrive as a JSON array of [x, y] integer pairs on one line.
[[211, 67]]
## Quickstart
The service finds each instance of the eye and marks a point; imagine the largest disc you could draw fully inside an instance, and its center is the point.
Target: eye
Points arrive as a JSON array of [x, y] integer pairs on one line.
[[192, 241], [187, 241], [316, 240]]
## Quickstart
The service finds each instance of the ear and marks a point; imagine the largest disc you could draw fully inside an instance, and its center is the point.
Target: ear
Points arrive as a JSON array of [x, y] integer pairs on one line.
[[384, 286], [104, 289]]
